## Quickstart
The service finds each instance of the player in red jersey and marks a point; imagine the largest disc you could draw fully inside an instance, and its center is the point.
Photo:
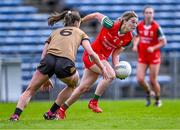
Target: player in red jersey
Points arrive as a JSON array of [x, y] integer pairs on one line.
[[149, 40], [112, 38]]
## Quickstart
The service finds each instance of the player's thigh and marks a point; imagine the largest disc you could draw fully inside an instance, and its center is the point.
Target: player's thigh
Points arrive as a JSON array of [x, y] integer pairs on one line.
[[154, 71], [88, 79], [109, 69], [71, 81], [141, 71], [37, 80]]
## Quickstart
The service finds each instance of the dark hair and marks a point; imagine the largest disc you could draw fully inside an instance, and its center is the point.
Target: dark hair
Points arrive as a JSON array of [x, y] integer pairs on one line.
[[146, 7], [127, 15], [69, 17]]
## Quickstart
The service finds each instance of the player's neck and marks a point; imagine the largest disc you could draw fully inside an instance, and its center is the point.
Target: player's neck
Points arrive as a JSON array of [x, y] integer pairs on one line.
[[148, 22], [122, 29]]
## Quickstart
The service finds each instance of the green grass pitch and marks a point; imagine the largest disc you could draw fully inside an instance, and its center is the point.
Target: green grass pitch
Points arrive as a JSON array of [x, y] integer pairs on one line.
[[122, 114]]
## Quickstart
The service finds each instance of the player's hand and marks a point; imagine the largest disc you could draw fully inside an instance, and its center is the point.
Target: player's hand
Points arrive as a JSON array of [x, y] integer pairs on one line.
[[150, 49], [47, 86], [105, 73], [135, 49]]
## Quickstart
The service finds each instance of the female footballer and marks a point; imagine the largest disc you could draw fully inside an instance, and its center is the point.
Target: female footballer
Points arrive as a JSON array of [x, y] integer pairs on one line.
[[150, 38], [58, 57]]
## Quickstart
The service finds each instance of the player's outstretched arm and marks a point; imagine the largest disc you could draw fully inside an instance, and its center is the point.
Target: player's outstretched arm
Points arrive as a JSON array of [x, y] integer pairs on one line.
[[94, 56], [94, 16], [115, 56]]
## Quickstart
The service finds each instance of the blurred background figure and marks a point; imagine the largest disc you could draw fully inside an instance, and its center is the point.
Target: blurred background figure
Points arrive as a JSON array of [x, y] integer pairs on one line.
[[148, 42]]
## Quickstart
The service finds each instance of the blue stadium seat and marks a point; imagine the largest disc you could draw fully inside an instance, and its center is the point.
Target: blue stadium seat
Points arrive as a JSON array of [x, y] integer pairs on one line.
[[18, 10], [23, 17], [23, 49], [14, 41], [173, 47], [25, 33], [138, 2]]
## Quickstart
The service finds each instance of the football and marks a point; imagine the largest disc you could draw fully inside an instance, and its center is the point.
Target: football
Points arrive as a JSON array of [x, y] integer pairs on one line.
[[123, 69]]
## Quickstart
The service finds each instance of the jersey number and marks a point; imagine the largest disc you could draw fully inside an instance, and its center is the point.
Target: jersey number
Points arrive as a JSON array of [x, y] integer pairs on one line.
[[66, 32]]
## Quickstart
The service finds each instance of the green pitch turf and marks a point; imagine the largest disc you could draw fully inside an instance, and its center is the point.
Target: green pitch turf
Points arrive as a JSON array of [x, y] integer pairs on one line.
[[123, 114]]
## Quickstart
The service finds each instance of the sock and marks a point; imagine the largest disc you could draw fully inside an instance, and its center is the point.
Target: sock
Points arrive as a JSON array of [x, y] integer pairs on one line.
[[157, 98], [96, 97], [64, 106], [18, 111], [54, 108]]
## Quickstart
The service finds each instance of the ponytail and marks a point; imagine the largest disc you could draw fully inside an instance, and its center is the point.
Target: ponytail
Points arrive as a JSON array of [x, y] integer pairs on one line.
[[56, 17], [69, 17]]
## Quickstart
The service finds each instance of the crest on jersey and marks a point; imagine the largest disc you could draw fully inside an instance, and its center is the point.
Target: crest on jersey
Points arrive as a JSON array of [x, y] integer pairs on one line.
[[146, 32]]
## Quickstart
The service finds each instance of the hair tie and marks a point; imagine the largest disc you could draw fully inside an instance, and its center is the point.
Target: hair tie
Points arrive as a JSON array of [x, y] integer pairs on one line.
[[69, 12]]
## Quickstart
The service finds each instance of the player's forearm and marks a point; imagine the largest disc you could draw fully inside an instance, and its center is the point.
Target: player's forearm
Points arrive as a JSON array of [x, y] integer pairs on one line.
[[44, 50], [94, 16], [161, 44], [97, 61], [115, 60], [116, 55]]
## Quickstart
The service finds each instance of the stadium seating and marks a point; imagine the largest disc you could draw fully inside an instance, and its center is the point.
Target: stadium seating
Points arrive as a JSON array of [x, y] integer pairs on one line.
[[23, 30], [114, 8]]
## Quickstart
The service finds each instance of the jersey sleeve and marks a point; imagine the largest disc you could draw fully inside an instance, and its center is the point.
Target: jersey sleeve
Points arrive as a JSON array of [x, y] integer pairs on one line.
[[84, 36], [106, 22], [160, 33]]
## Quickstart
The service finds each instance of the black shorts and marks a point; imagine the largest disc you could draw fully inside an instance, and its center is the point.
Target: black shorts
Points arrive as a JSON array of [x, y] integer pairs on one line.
[[61, 66]]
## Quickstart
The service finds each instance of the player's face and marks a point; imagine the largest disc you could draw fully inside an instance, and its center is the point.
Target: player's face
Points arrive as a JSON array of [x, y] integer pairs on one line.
[[148, 14], [131, 24]]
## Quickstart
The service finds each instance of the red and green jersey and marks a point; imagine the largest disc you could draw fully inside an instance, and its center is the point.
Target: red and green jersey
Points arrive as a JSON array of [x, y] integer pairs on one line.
[[110, 38], [149, 35]]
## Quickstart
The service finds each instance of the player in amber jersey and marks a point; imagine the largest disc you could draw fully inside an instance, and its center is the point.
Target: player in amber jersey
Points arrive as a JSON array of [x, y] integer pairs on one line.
[[112, 38], [58, 58], [150, 38]]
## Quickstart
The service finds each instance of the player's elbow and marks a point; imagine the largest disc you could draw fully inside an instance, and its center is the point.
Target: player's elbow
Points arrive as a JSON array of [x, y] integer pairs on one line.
[[98, 16], [93, 55], [164, 42]]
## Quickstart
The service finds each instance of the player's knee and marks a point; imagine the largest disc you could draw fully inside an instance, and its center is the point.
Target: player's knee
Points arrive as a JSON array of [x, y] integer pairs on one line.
[[29, 91], [73, 83], [110, 80], [140, 80], [153, 81], [112, 76]]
